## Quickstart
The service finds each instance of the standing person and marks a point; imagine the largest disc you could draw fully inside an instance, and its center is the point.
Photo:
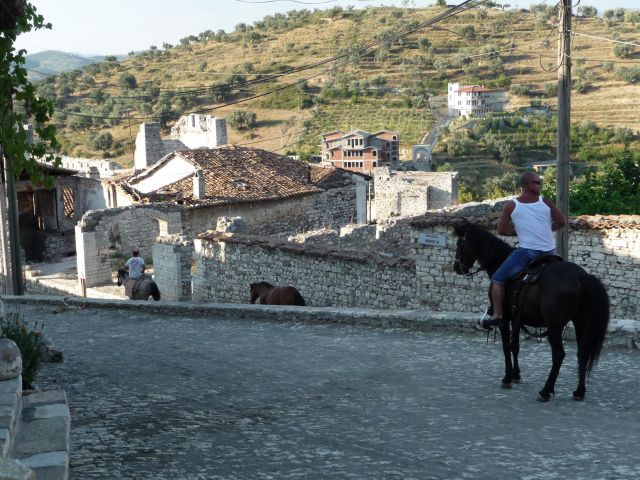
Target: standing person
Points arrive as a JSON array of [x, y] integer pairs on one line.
[[533, 219], [135, 265]]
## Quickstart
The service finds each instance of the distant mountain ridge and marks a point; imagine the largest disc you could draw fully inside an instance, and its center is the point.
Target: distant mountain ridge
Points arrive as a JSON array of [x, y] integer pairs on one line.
[[52, 62]]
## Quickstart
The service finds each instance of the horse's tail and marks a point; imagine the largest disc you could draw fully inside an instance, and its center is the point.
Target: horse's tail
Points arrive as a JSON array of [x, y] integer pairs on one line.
[[595, 310], [154, 291], [298, 300]]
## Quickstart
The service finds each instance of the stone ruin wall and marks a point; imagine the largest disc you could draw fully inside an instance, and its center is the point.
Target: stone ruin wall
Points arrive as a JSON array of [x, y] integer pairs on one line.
[[282, 218], [613, 255], [407, 194], [172, 259], [226, 265], [103, 234], [334, 277], [391, 237]]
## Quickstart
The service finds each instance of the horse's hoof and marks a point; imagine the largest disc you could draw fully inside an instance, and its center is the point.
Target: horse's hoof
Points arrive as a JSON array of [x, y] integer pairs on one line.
[[505, 385], [516, 380], [544, 397], [578, 396]]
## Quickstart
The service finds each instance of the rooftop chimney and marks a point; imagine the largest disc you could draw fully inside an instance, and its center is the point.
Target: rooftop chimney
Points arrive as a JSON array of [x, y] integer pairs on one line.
[[198, 185]]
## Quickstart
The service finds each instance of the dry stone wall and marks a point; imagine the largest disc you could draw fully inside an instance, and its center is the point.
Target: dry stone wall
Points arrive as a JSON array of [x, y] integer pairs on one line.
[[172, 258], [227, 264], [406, 194], [391, 237], [104, 233], [611, 253]]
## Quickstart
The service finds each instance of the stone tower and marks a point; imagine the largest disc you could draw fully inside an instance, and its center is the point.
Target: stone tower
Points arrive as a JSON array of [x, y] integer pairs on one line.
[[149, 146]]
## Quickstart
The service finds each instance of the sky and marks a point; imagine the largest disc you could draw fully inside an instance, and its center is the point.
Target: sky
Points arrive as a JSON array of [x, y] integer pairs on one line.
[[91, 27]]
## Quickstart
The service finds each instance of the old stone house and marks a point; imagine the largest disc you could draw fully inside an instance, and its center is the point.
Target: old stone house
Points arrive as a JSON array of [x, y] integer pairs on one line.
[[186, 192], [360, 151], [47, 217]]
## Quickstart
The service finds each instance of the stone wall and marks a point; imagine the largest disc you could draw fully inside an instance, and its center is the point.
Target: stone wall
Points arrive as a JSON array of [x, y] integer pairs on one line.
[[281, 218], [105, 233], [391, 237], [172, 259], [609, 249], [227, 264], [406, 194]]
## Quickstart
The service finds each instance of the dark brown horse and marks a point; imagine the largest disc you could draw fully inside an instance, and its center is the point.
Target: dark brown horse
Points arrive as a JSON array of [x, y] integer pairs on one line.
[[270, 295], [138, 289], [564, 292]]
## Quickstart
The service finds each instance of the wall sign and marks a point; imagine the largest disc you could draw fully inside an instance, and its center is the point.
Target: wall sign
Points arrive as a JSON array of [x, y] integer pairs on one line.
[[432, 239]]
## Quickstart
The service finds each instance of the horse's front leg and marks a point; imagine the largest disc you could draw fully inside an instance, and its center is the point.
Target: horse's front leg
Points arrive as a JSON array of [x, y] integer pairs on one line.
[[506, 350]]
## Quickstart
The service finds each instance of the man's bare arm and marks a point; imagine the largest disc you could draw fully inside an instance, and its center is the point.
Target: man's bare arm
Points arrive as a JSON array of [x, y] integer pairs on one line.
[[505, 226], [558, 219]]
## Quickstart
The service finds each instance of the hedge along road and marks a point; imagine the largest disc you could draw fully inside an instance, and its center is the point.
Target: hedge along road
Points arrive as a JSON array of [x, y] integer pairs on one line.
[[169, 397]]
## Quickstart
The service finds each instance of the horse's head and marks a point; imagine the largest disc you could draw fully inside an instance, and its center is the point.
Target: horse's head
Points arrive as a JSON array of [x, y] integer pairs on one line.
[[464, 255], [122, 276]]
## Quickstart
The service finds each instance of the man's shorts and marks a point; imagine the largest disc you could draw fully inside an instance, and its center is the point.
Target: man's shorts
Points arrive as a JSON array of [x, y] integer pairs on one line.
[[516, 262]]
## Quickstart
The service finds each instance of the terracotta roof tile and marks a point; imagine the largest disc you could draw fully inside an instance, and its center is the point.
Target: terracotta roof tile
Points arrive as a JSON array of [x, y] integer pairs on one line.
[[240, 174]]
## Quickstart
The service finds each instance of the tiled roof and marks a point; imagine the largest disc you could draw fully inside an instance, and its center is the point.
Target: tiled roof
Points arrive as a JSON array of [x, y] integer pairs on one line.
[[596, 222], [238, 174]]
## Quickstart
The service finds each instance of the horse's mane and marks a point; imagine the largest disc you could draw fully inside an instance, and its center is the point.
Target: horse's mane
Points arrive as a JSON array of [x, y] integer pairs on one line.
[[263, 284], [489, 249]]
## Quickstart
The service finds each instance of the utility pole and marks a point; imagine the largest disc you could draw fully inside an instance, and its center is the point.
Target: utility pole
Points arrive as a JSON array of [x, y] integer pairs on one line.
[[564, 124]]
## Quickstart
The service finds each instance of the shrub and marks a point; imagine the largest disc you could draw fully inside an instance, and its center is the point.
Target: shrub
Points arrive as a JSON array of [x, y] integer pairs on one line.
[[242, 120], [28, 340]]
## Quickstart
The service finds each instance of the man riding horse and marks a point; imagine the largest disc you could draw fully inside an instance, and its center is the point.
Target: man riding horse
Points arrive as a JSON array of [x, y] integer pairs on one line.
[[533, 219], [135, 267]]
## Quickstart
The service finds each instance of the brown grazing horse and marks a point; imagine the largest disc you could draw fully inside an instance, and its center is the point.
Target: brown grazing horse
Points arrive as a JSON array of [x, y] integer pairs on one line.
[[563, 293], [270, 295]]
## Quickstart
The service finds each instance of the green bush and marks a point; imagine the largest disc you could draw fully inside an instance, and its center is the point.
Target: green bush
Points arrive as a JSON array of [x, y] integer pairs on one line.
[[28, 340]]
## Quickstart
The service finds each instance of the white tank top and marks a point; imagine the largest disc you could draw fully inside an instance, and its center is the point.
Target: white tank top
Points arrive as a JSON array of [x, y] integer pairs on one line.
[[532, 222]]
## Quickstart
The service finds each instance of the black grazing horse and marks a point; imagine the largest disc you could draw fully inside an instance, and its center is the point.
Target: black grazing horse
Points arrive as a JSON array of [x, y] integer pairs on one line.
[[564, 292], [139, 288], [270, 295]]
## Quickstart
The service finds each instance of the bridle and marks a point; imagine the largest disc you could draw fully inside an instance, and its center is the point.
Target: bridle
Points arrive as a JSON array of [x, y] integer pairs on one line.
[[458, 259]]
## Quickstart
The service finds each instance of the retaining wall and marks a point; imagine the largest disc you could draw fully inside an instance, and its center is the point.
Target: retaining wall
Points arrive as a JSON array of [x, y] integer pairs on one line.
[[227, 264]]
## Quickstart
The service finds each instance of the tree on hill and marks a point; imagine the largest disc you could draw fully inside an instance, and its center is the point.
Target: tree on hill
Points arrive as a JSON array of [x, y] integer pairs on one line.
[[242, 120]]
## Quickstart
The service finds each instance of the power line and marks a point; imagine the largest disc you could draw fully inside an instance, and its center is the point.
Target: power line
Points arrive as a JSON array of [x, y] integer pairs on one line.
[[605, 39]]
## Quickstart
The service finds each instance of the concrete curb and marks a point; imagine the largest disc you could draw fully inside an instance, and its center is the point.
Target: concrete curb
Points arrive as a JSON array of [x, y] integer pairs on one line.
[[621, 332]]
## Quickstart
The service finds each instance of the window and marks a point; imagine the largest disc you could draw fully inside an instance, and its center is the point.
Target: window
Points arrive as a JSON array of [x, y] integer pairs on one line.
[[375, 164], [375, 153]]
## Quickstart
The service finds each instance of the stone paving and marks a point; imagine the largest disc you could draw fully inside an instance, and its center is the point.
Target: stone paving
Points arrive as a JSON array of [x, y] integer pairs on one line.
[[157, 396]]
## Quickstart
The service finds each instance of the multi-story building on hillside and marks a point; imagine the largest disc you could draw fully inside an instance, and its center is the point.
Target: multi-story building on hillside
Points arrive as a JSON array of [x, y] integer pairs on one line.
[[474, 100], [360, 151]]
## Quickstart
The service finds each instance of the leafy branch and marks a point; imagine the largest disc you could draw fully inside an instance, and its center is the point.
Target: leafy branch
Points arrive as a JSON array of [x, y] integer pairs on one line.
[[19, 104]]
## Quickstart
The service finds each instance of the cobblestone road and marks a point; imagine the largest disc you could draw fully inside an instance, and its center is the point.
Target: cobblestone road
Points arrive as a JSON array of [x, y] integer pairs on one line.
[[205, 398]]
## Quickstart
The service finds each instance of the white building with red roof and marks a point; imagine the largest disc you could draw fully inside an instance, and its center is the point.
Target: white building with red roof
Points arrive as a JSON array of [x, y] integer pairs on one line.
[[476, 100]]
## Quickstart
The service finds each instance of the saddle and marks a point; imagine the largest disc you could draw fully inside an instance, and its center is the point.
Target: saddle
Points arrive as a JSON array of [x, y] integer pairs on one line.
[[528, 276], [132, 285]]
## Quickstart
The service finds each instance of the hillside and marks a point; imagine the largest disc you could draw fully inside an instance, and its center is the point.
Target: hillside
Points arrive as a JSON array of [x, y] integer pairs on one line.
[[51, 62], [382, 80]]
